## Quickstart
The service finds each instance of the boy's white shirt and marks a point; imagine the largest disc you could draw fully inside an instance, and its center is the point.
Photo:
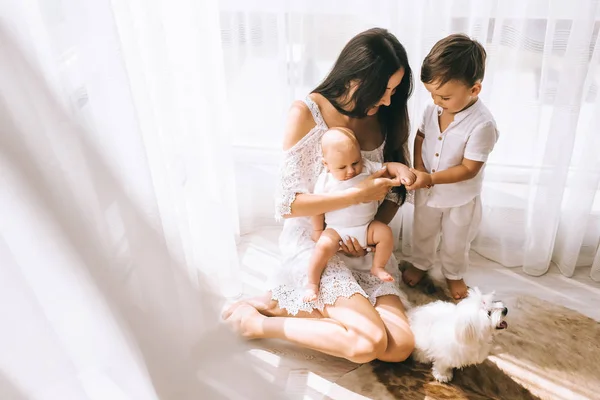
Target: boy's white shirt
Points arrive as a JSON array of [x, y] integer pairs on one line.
[[471, 135]]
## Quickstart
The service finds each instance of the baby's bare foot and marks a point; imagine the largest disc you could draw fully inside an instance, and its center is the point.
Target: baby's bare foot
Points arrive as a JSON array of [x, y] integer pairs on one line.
[[310, 294], [382, 274], [245, 320], [412, 275], [458, 288]]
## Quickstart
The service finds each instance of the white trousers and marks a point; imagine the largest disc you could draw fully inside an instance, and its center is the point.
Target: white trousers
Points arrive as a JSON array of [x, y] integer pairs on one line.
[[456, 227]]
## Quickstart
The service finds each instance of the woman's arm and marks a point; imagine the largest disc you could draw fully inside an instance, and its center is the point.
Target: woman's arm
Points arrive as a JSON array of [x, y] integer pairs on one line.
[[308, 204], [374, 188], [418, 159], [387, 211], [468, 169], [465, 171], [299, 123]]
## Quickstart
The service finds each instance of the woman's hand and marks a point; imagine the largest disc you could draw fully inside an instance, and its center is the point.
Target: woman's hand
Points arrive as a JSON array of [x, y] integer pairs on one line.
[[375, 187], [351, 248]]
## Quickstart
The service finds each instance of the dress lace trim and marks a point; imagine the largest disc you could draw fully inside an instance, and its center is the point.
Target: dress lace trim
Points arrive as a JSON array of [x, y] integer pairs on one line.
[[337, 281], [316, 112]]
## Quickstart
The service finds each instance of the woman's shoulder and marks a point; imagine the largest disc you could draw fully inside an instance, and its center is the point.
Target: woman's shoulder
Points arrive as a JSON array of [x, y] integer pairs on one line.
[[300, 122]]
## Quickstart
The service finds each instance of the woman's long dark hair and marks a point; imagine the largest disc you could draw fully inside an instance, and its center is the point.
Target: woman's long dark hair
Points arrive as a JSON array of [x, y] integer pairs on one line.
[[369, 60]]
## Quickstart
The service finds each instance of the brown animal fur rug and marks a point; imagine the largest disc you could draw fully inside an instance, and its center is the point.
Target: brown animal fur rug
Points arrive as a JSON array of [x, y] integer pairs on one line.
[[548, 352]]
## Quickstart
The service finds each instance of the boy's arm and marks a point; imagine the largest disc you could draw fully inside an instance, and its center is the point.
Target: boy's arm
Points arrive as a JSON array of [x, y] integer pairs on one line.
[[478, 148], [468, 169]]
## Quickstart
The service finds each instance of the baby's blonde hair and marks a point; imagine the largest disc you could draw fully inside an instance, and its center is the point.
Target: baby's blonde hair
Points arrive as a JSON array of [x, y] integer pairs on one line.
[[338, 135]]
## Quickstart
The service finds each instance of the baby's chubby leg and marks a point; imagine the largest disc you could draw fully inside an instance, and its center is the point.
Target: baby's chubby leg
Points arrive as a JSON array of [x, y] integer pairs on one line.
[[326, 247], [380, 235]]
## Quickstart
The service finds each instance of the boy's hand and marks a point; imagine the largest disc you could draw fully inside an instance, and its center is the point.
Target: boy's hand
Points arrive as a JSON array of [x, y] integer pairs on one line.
[[423, 180]]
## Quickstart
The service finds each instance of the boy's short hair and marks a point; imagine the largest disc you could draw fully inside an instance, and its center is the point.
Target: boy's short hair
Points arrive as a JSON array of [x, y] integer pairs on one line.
[[456, 57]]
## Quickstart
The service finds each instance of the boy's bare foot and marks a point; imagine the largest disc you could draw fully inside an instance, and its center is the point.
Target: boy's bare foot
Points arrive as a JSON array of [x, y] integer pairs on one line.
[[382, 274], [458, 288], [310, 294], [245, 320], [412, 275]]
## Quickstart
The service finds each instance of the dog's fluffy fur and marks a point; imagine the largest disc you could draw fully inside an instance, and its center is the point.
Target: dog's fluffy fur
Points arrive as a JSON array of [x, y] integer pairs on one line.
[[456, 335]]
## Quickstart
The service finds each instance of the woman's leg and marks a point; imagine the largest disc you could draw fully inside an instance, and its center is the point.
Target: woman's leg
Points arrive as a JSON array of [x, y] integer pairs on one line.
[[351, 328], [400, 339], [268, 307]]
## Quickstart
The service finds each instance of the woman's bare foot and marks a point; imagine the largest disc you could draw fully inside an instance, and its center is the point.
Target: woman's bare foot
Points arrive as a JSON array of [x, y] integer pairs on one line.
[[458, 288], [310, 294], [382, 274], [263, 304], [246, 320], [412, 275]]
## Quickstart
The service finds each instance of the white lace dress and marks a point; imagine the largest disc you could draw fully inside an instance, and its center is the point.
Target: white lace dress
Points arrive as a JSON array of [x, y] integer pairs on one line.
[[343, 276]]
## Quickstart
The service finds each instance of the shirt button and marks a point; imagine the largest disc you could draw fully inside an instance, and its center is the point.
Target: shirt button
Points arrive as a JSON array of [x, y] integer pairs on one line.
[[440, 138], [432, 171], [437, 154]]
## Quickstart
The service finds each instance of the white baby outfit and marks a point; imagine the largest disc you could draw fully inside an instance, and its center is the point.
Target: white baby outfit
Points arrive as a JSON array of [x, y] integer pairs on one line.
[[351, 221], [451, 210]]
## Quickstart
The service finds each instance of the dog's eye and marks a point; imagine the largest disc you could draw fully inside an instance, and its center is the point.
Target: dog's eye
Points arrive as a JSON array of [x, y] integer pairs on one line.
[[489, 313]]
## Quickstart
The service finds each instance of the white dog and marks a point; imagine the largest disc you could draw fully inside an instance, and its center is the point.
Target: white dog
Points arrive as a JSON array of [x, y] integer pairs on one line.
[[456, 335]]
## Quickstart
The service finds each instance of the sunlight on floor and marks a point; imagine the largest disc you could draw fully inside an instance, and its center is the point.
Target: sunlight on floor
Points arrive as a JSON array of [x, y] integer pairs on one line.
[[304, 374], [532, 282], [299, 382], [543, 381]]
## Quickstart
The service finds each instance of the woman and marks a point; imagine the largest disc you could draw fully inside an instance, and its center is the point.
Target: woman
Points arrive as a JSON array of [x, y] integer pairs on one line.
[[356, 316]]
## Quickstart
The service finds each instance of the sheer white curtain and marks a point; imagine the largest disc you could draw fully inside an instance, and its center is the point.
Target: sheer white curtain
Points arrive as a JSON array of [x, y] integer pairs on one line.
[[117, 208], [541, 190]]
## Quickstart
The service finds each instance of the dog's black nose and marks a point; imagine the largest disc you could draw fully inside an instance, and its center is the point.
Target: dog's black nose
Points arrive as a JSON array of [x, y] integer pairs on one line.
[[504, 311]]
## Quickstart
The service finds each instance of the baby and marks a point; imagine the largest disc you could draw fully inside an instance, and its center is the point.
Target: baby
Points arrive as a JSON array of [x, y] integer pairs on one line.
[[345, 168]]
